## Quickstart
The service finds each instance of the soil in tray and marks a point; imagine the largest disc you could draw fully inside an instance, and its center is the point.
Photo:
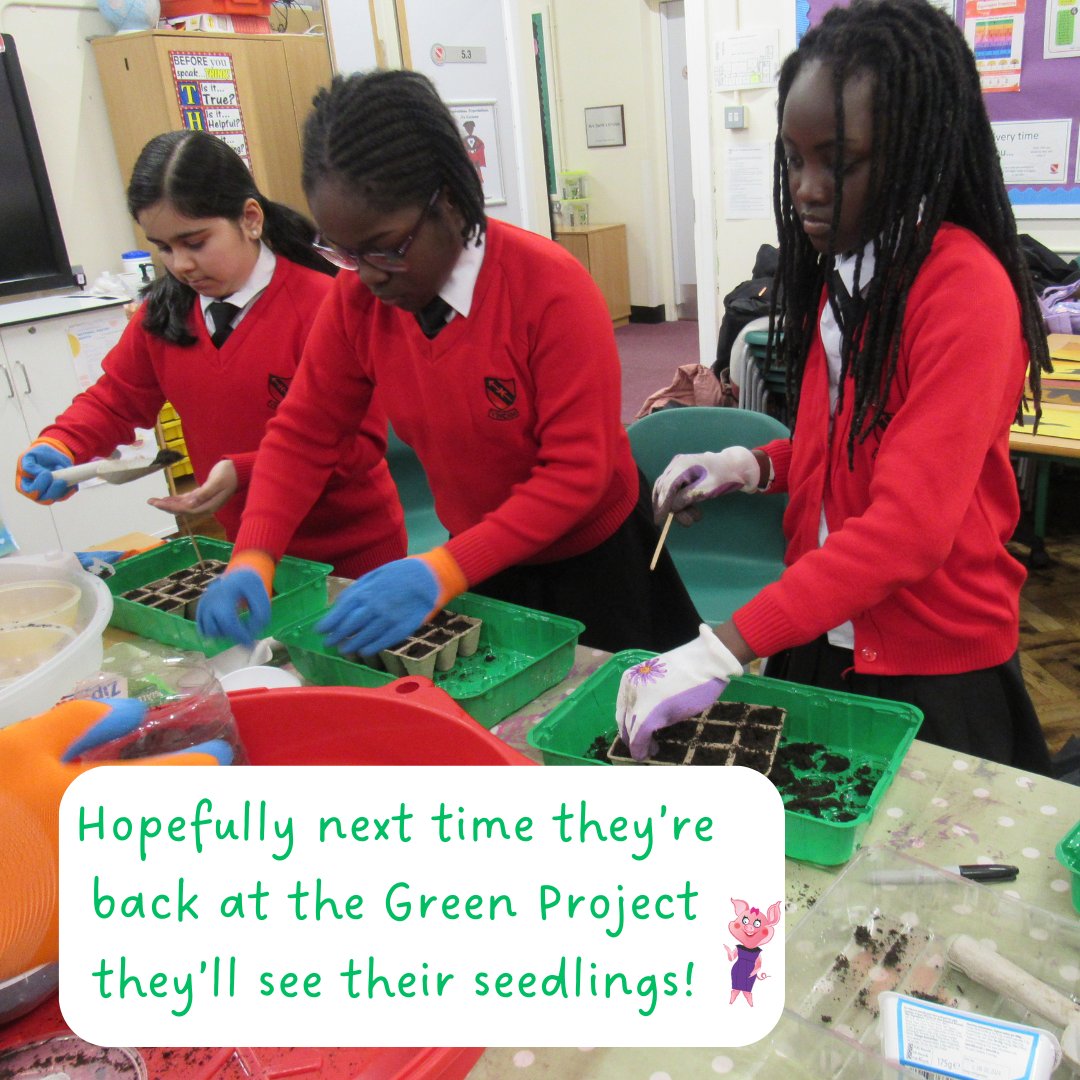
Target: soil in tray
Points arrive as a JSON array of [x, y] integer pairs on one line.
[[728, 733], [824, 783]]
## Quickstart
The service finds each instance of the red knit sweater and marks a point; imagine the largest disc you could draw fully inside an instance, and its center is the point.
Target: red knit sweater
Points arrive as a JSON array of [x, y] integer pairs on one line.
[[225, 397], [915, 556], [513, 411]]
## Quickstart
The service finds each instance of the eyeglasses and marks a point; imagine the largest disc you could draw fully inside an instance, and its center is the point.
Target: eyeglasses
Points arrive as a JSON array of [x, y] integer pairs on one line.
[[392, 262]]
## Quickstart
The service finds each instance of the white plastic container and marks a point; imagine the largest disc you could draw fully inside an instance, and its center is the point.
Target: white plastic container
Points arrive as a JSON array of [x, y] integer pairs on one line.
[[941, 1041], [50, 681], [259, 677]]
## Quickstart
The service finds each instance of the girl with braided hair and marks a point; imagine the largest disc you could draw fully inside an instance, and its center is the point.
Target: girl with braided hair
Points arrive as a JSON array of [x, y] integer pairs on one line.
[[219, 335], [494, 355], [908, 322]]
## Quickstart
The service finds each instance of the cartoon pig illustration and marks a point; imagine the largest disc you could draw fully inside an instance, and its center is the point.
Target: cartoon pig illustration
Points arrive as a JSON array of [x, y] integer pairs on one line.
[[751, 930]]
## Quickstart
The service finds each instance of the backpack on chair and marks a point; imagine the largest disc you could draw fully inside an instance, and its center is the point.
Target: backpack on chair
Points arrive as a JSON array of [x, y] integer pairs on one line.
[[749, 300]]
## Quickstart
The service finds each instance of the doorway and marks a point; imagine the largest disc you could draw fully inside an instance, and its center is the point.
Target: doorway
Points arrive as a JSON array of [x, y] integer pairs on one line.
[[680, 184]]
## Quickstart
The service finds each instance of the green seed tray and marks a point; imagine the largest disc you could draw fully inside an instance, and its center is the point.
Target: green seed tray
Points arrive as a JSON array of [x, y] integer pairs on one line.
[[863, 729], [521, 654], [299, 589], [1068, 854]]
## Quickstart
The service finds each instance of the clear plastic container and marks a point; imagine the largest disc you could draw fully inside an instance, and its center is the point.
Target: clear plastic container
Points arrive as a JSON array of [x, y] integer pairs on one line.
[[39, 602], [186, 705], [30, 694], [23, 649], [66, 1055]]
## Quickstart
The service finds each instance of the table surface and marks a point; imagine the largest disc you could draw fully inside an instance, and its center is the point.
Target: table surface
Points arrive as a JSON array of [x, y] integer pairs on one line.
[[944, 808]]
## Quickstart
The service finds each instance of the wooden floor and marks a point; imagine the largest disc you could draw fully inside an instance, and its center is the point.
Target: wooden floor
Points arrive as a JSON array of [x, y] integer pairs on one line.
[[1050, 616], [1049, 613]]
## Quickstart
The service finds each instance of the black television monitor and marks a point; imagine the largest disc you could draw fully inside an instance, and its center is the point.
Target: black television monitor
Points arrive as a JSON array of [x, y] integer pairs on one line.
[[33, 256]]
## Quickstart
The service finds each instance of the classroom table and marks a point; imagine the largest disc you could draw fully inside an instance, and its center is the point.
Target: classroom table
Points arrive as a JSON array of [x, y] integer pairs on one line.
[[945, 808]]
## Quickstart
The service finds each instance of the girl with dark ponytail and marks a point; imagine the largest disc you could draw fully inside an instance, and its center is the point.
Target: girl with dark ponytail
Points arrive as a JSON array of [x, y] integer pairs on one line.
[[219, 335]]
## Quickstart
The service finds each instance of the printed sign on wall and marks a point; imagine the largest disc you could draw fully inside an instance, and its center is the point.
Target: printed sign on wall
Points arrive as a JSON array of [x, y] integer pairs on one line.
[[209, 101]]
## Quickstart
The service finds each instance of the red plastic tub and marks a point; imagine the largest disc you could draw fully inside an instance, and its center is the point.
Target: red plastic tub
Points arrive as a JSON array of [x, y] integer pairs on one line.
[[407, 722]]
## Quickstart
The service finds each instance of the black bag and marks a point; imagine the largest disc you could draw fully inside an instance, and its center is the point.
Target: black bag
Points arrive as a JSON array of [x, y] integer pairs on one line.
[[749, 300], [1047, 268]]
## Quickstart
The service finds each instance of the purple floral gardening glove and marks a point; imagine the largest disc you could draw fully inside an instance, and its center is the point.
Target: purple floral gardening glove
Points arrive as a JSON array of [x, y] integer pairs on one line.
[[672, 687], [692, 478]]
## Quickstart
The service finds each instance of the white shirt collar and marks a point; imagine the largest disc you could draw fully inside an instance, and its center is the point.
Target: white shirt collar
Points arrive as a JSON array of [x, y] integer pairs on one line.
[[249, 292], [845, 267], [459, 287]]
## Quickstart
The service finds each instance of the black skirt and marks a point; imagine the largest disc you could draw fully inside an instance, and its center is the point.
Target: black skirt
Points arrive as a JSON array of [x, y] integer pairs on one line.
[[610, 589], [987, 712]]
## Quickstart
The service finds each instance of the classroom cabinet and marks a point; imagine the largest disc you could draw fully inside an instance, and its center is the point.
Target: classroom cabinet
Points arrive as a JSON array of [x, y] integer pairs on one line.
[[51, 349], [252, 90], [602, 251]]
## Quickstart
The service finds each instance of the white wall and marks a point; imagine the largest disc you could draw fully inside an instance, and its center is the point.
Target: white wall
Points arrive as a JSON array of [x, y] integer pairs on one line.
[[610, 54], [69, 110]]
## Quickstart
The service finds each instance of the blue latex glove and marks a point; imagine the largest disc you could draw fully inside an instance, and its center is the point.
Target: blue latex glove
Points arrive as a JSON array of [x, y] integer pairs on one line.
[[220, 612], [35, 474], [692, 478], [383, 608], [670, 688], [126, 714]]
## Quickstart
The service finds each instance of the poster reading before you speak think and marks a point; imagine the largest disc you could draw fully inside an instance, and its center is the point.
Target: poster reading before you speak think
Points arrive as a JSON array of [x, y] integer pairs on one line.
[[209, 101], [436, 906]]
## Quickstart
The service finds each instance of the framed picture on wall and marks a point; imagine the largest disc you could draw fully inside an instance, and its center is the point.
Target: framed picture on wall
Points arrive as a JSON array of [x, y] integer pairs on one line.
[[479, 131], [604, 126]]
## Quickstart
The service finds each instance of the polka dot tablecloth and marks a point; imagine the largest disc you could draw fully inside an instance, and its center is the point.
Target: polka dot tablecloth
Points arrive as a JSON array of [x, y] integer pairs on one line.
[[943, 808]]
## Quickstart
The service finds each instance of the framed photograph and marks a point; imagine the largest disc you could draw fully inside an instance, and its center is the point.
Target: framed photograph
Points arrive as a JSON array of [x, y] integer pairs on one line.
[[604, 126], [480, 135]]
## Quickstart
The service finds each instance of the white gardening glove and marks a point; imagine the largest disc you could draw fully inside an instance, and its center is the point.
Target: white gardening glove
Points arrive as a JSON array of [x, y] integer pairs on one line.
[[670, 688], [692, 478]]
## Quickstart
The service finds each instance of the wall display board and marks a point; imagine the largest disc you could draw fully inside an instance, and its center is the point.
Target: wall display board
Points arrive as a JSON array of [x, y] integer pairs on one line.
[[1029, 93]]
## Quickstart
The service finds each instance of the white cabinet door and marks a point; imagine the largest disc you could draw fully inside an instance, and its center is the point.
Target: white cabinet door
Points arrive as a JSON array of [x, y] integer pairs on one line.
[[49, 361], [31, 525]]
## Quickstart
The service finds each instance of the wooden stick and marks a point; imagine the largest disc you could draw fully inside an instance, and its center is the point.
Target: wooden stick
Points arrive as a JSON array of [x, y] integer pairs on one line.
[[660, 542]]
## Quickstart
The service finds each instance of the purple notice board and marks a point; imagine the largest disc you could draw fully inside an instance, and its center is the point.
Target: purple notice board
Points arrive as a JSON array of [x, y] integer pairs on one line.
[[1047, 92]]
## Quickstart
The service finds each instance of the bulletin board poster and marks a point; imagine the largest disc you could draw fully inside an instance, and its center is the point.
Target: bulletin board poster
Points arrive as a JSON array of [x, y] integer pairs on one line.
[[209, 101], [995, 31], [1035, 111]]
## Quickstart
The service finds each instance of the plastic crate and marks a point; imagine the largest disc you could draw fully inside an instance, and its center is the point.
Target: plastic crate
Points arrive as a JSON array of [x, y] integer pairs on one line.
[[1068, 854], [863, 728], [530, 651], [299, 589]]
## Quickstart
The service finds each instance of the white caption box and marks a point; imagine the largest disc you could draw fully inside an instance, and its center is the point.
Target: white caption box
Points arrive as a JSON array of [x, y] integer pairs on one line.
[[403, 906]]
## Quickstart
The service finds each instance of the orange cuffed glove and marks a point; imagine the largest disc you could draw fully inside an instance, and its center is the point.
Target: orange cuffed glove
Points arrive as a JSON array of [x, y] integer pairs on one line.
[[34, 774], [34, 472], [246, 586]]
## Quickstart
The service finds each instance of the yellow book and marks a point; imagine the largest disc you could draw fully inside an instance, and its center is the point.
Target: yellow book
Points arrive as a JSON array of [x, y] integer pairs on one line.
[[1060, 422]]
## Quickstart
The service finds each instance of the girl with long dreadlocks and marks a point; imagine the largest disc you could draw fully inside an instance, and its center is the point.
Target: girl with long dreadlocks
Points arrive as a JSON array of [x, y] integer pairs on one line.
[[219, 335], [908, 320], [493, 353]]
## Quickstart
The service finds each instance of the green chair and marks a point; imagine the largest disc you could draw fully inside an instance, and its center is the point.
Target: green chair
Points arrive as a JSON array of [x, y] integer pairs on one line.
[[737, 547], [424, 528]]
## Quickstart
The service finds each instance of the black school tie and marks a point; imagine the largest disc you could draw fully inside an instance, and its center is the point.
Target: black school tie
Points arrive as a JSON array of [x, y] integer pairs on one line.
[[222, 314], [432, 318], [852, 308]]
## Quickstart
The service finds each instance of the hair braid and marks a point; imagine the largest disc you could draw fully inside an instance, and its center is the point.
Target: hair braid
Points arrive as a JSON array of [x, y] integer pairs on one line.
[[933, 159], [391, 137]]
